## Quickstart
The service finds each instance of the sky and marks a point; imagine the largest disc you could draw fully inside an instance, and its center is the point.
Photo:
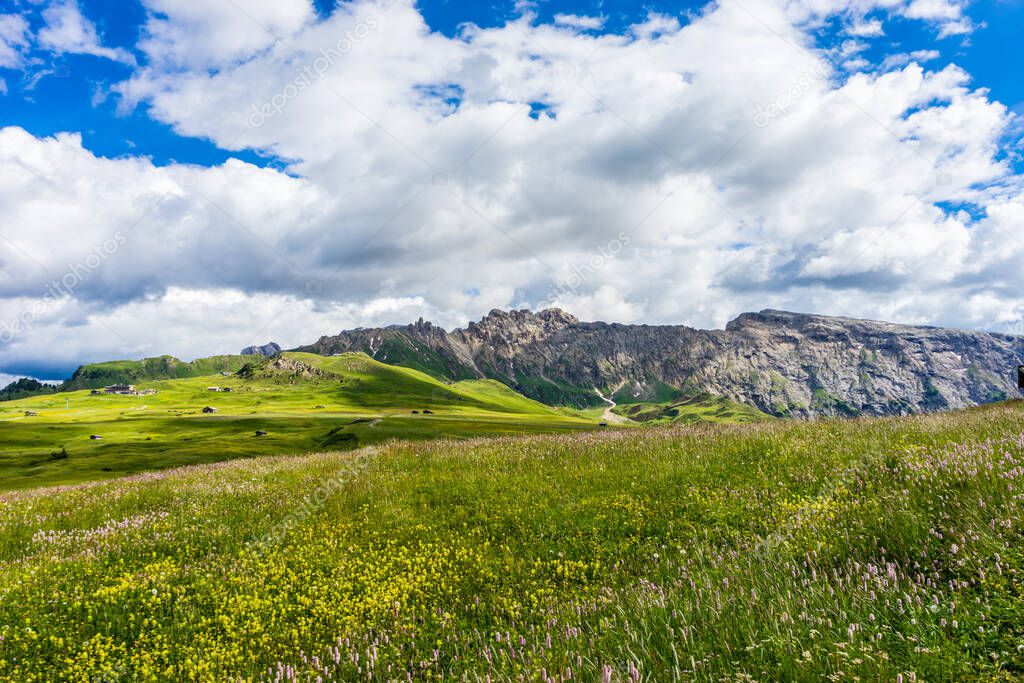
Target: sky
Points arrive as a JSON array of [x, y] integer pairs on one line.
[[190, 177]]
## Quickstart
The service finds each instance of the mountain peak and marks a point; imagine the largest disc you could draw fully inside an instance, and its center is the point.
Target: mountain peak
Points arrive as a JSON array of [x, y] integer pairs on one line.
[[558, 315], [547, 315], [522, 325], [269, 350], [765, 316]]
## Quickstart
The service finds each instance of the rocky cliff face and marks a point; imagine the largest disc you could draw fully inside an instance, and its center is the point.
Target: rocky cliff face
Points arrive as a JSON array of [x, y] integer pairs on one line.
[[267, 350], [782, 363]]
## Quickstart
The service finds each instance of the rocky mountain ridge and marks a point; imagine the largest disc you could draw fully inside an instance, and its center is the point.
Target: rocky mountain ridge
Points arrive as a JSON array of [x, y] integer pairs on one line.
[[782, 363]]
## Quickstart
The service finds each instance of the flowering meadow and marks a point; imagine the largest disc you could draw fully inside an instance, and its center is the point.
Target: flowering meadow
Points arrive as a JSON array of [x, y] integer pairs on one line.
[[873, 550]]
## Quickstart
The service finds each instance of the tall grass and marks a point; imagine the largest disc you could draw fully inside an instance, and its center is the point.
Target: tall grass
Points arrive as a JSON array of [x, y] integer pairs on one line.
[[863, 550]]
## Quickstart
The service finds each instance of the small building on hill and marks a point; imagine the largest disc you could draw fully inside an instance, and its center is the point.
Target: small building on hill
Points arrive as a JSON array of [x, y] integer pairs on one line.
[[124, 389]]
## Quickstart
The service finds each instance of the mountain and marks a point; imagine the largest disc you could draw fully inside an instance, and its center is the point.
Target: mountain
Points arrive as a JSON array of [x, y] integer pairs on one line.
[[778, 362], [269, 350]]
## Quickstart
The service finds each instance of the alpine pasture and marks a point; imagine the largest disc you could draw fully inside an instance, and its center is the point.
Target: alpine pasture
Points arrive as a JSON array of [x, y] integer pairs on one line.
[[873, 549]]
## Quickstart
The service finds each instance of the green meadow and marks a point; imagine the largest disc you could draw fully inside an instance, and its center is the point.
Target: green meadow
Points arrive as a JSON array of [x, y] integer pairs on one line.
[[303, 402], [862, 550], [692, 409]]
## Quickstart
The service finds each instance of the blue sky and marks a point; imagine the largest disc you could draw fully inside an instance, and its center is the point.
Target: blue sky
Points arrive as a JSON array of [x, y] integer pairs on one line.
[[652, 162]]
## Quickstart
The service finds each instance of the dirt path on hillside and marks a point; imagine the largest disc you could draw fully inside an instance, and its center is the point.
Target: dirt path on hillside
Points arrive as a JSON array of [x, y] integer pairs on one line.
[[608, 415]]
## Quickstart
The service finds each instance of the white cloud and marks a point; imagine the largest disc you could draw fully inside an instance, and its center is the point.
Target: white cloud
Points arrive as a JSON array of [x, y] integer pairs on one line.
[[183, 225], [948, 14], [945, 15], [856, 64], [200, 35], [194, 322], [6, 379], [67, 31], [419, 184], [933, 9], [866, 28], [654, 26], [901, 59], [583, 23], [958, 27], [14, 38]]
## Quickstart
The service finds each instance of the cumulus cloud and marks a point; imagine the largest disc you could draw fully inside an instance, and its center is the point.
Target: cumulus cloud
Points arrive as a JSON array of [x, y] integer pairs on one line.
[[190, 319], [866, 28], [948, 14], [957, 27], [14, 38], [670, 173], [584, 23], [655, 25], [933, 9], [67, 31], [201, 35]]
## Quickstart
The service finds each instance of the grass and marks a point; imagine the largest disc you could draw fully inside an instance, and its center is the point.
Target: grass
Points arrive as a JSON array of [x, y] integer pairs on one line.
[[691, 409], [98, 375], [304, 402], [654, 391], [870, 549]]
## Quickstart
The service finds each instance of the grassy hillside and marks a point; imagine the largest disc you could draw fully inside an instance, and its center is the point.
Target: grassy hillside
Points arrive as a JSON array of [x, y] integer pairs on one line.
[[698, 408], [304, 402], [99, 375], [873, 550]]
